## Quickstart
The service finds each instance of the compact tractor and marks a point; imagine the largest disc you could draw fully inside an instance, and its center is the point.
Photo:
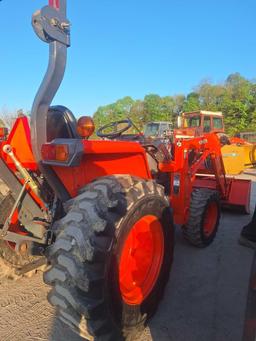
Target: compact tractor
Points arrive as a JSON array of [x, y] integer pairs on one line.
[[102, 211]]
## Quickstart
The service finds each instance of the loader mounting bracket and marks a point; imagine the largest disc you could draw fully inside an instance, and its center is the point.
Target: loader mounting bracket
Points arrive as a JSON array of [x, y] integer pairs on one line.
[[51, 25], [19, 238]]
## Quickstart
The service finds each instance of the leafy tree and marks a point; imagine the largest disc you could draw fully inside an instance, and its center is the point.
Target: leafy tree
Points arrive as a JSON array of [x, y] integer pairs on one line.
[[192, 102], [236, 98], [178, 104], [138, 114], [152, 107]]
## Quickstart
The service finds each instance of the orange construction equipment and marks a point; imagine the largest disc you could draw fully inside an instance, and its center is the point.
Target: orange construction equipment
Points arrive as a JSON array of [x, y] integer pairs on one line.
[[196, 123], [238, 152]]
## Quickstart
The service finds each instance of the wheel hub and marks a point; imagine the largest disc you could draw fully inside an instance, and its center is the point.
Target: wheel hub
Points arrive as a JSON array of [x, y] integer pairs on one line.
[[141, 259]]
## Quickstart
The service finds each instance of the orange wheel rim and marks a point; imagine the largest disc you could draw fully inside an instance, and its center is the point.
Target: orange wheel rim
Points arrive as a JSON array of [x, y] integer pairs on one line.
[[141, 260], [210, 219]]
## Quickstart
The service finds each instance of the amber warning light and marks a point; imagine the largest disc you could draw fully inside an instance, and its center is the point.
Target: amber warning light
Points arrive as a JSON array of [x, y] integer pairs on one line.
[[85, 126]]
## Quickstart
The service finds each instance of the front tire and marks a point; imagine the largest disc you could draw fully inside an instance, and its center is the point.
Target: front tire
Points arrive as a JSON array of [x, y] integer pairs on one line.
[[112, 257], [204, 217]]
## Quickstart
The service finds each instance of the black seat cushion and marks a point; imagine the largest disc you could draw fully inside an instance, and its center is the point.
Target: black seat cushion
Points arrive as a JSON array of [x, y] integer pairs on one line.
[[157, 148], [61, 123]]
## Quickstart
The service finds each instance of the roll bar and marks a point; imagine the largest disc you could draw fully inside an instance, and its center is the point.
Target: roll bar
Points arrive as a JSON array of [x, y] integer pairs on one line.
[[51, 26]]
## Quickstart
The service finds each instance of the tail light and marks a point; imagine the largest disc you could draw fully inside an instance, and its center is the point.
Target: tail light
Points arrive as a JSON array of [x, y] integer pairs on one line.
[[63, 152], [55, 152]]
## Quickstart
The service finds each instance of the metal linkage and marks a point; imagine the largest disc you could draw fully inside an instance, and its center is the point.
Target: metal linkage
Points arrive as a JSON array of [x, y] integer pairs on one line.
[[19, 239], [29, 206], [15, 237], [5, 228], [31, 266], [21, 193], [23, 172]]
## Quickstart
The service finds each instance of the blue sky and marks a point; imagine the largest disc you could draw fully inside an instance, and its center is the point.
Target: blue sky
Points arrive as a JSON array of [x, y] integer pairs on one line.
[[131, 47]]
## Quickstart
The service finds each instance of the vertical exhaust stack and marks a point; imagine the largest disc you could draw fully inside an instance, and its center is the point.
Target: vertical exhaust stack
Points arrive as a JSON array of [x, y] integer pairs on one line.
[[51, 25]]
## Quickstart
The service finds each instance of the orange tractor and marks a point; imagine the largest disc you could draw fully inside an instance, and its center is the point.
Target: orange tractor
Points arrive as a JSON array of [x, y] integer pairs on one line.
[[101, 212], [199, 122], [238, 152]]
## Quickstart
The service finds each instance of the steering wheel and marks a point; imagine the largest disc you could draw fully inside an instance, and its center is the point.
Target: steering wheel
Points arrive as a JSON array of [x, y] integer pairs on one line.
[[115, 131]]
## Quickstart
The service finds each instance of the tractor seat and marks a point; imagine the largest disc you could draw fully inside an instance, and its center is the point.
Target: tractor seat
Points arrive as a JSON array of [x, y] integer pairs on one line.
[[156, 152], [61, 123]]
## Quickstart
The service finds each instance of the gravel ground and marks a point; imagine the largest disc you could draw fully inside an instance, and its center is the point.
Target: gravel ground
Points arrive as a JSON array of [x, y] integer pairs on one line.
[[204, 300]]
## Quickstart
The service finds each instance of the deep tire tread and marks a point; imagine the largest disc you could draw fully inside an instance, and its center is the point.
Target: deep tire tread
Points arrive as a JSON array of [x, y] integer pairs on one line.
[[192, 231], [84, 238]]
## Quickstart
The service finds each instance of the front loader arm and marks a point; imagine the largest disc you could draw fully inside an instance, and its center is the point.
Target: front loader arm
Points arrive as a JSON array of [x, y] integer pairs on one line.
[[191, 157]]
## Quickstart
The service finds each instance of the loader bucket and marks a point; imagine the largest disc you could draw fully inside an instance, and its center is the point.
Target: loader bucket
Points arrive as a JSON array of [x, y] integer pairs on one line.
[[239, 195], [250, 155], [238, 157], [233, 158]]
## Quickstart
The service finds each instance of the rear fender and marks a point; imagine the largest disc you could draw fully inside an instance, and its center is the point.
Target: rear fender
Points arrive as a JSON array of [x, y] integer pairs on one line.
[[101, 158]]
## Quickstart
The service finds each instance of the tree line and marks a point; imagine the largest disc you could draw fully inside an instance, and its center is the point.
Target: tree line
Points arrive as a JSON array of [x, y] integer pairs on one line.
[[236, 98]]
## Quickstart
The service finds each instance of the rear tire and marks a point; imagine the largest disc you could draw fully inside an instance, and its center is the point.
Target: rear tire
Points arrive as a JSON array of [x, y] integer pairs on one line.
[[86, 256], [204, 216]]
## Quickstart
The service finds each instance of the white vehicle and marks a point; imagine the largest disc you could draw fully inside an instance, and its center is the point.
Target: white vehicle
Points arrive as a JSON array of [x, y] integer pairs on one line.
[[158, 129]]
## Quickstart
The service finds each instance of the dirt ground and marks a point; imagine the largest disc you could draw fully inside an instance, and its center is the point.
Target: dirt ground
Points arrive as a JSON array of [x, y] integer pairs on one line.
[[204, 300]]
